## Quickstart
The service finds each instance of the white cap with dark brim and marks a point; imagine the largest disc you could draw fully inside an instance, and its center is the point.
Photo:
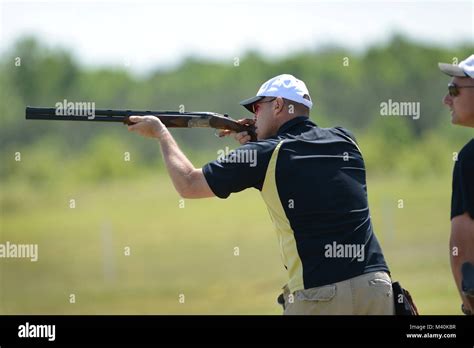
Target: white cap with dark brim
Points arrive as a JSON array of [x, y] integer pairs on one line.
[[286, 86], [463, 69]]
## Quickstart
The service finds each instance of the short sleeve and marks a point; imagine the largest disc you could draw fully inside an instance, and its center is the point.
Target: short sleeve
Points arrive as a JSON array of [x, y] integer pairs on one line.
[[462, 200], [347, 133], [236, 170]]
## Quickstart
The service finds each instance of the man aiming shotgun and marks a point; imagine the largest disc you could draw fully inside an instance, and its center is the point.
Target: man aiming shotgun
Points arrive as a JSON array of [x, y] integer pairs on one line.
[[312, 180]]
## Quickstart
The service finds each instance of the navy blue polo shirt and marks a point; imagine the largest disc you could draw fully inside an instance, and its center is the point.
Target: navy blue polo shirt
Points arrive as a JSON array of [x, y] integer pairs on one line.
[[313, 182]]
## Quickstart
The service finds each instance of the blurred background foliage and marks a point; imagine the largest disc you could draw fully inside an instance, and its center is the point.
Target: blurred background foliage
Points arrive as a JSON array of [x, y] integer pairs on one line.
[[191, 250], [347, 90]]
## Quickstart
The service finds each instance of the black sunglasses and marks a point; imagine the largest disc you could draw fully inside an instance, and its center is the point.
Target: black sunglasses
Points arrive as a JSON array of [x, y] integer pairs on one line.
[[453, 89], [262, 102]]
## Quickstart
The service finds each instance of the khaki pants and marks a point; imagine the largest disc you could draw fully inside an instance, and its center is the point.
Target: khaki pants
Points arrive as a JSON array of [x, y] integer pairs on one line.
[[368, 294]]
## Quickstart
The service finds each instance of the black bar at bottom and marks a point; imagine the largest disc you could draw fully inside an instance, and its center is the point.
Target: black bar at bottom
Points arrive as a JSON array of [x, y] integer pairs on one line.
[[289, 330]]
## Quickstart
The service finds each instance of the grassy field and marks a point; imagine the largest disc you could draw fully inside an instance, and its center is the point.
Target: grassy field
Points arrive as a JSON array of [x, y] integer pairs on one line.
[[190, 250]]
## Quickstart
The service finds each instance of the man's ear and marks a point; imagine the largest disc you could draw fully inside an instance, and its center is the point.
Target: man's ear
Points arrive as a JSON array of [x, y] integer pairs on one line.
[[279, 105]]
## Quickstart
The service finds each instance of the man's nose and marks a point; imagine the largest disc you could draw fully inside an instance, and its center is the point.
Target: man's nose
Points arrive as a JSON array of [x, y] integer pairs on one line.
[[447, 100]]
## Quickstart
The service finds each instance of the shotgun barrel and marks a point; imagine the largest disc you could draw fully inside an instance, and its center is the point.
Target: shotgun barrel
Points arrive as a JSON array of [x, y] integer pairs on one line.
[[171, 119]]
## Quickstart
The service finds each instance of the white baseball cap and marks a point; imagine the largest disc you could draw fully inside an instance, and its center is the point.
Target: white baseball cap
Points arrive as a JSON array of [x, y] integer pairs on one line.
[[463, 69], [286, 86]]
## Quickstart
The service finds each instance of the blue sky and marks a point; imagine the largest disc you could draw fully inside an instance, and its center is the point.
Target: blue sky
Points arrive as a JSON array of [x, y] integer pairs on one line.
[[148, 34]]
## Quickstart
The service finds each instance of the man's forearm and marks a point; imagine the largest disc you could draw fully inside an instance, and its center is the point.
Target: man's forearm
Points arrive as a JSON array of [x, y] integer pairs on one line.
[[188, 181], [178, 165]]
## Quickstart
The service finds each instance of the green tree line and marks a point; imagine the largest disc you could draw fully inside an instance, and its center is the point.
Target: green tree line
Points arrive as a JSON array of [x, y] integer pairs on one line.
[[347, 89]]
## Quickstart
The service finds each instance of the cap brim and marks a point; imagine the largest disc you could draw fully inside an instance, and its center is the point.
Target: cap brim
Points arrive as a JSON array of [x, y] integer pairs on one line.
[[451, 70], [247, 103]]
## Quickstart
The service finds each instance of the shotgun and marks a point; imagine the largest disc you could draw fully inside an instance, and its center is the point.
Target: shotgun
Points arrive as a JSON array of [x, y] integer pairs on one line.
[[171, 119]]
